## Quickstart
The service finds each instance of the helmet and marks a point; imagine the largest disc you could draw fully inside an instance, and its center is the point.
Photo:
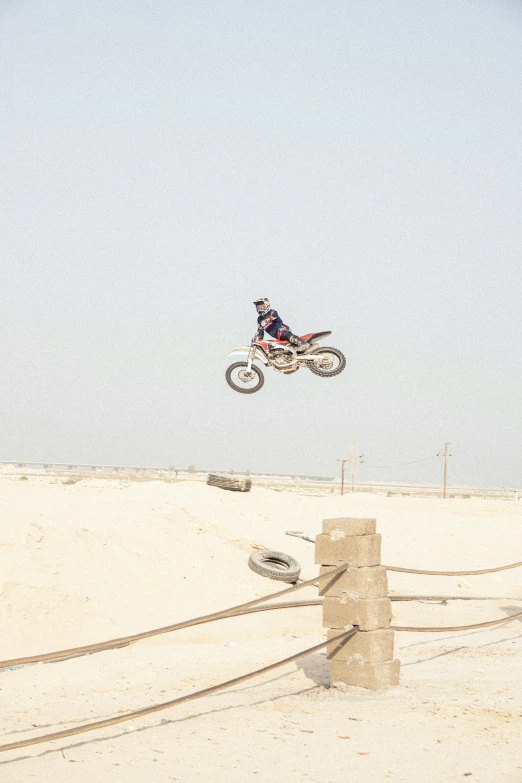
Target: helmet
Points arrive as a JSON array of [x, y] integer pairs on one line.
[[262, 306]]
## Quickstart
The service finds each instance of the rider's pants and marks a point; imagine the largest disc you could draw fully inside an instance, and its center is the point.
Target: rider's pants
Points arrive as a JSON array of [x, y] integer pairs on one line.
[[284, 333]]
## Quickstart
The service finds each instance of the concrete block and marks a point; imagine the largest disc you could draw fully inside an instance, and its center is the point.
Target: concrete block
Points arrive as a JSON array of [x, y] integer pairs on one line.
[[349, 526], [371, 582], [369, 614], [364, 647], [367, 675], [358, 551]]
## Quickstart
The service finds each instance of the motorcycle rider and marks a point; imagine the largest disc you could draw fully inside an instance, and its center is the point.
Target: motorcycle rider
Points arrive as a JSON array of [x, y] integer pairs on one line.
[[270, 321]]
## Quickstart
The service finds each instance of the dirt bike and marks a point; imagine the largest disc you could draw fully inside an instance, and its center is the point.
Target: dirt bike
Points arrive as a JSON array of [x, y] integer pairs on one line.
[[283, 356]]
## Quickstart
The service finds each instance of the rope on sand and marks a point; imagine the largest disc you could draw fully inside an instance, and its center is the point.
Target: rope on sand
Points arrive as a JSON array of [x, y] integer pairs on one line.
[[342, 637], [125, 640], [100, 724], [112, 644], [453, 573], [457, 627]]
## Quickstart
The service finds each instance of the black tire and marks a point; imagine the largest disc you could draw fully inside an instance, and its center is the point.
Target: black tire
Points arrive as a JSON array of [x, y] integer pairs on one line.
[[275, 565], [328, 373], [240, 389], [233, 484]]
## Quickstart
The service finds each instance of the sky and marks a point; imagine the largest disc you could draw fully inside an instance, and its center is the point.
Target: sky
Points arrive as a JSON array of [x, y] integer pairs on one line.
[[164, 164]]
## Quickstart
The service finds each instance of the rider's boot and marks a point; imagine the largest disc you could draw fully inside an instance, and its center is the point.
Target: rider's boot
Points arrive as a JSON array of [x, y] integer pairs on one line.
[[301, 345]]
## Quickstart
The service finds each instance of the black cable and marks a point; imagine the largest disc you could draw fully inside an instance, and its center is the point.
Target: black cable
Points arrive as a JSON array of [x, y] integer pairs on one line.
[[399, 464]]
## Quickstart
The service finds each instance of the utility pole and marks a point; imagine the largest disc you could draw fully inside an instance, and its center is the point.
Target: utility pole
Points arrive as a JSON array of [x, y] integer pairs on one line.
[[355, 459], [342, 461], [445, 454]]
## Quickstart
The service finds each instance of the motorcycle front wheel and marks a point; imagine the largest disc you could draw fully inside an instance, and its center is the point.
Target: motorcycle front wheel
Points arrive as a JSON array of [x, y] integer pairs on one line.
[[243, 380], [330, 362]]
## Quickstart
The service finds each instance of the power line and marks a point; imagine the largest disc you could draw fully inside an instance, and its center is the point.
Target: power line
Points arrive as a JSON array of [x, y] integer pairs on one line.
[[398, 464]]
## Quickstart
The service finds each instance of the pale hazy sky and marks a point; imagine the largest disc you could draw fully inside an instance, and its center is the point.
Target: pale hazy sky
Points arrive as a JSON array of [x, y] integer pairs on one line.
[[164, 163]]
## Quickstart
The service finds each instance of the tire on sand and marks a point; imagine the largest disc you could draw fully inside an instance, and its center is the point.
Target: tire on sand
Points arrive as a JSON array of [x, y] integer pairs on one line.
[[233, 484], [242, 389], [275, 565], [328, 373]]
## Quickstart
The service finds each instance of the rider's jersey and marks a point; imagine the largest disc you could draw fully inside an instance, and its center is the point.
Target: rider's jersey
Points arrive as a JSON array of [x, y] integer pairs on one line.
[[271, 322]]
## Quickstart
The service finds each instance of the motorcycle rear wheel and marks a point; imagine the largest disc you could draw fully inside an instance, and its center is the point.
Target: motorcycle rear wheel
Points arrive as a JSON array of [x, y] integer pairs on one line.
[[237, 374], [334, 369]]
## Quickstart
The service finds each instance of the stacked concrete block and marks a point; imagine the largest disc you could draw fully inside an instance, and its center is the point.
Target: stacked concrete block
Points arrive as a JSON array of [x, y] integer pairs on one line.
[[359, 597]]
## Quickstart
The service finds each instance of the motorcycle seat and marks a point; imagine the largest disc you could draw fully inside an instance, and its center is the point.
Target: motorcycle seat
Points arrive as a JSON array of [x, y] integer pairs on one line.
[[311, 337], [303, 337]]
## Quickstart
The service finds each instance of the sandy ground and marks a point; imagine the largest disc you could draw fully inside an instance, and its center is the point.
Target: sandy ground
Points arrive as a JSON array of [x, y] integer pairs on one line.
[[98, 559]]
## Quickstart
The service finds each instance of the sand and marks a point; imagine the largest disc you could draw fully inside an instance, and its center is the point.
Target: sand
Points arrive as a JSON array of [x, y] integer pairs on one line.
[[98, 559]]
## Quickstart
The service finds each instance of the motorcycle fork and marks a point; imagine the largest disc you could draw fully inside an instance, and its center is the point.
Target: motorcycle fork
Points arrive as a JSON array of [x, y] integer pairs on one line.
[[250, 358]]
